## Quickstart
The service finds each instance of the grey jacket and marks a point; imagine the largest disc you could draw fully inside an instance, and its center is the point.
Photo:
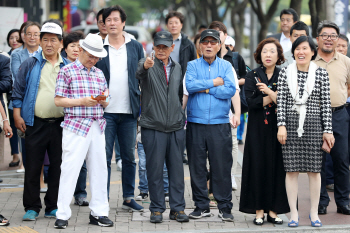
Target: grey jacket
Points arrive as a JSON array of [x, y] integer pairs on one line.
[[161, 104]]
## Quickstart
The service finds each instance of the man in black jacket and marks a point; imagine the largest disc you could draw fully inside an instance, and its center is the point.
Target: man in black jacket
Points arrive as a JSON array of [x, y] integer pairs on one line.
[[184, 50], [162, 127]]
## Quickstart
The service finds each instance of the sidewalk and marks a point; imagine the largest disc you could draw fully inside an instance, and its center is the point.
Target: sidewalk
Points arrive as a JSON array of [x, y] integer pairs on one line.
[[11, 207]]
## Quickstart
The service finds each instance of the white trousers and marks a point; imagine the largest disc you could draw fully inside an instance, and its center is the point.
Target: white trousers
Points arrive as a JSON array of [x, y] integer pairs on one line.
[[75, 149], [234, 150]]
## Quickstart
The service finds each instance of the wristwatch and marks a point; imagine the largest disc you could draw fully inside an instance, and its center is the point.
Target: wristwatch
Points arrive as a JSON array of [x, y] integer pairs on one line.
[[207, 91]]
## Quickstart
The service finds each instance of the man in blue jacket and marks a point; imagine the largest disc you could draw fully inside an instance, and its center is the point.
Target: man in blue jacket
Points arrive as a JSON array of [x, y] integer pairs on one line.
[[119, 68], [36, 115], [210, 84]]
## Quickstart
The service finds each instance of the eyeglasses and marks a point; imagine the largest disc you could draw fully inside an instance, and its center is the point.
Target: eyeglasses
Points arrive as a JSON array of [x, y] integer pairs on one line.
[[36, 35], [212, 42], [161, 48], [326, 36], [93, 58], [101, 22]]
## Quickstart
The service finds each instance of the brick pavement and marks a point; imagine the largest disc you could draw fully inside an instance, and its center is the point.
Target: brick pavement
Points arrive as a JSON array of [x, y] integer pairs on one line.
[[11, 207]]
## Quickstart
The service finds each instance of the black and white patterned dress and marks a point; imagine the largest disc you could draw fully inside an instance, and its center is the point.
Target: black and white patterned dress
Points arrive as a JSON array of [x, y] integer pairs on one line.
[[304, 154]]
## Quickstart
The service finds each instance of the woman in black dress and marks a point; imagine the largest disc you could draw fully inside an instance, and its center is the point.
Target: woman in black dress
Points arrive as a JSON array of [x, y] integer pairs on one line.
[[263, 176], [304, 122]]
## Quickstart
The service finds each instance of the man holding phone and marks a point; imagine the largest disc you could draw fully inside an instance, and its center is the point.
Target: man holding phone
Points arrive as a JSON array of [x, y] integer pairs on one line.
[[162, 127], [78, 85]]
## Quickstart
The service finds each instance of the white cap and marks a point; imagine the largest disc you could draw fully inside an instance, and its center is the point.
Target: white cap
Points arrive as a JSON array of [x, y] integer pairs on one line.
[[51, 28], [94, 45], [230, 41]]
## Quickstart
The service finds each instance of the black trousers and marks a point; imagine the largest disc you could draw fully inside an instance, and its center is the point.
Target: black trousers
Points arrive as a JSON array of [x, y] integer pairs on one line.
[[213, 142], [41, 137], [340, 157], [160, 146]]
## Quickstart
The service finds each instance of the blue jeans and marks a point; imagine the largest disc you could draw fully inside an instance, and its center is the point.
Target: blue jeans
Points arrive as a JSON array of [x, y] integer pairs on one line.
[[122, 127], [143, 184], [116, 149], [240, 128], [80, 188]]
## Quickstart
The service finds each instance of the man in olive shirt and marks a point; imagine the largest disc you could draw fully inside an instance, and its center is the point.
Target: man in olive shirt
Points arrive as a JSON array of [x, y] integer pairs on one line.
[[338, 68], [36, 115]]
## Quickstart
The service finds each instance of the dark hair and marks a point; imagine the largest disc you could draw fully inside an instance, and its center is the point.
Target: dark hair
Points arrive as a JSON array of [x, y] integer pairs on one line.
[[100, 12], [218, 24], [72, 37], [196, 37], [60, 38], [302, 39], [300, 25], [202, 27], [22, 29], [176, 14], [327, 24], [109, 10], [290, 11], [10, 33], [257, 53], [344, 37]]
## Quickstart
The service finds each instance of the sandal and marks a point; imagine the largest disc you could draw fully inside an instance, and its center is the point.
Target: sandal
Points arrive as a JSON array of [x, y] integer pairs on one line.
[[4, 221], [212, 202]]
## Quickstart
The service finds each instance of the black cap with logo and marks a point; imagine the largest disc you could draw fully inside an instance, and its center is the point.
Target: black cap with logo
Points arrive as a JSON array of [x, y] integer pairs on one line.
[[210, 32], [164, 38]]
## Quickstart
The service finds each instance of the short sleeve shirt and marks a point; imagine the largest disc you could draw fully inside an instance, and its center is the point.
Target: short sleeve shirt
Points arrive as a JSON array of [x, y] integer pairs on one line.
[[75, 82], [338, 69]]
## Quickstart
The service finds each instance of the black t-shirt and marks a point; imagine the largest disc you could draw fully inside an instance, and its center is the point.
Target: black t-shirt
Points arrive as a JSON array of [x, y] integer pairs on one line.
[[242, 67]]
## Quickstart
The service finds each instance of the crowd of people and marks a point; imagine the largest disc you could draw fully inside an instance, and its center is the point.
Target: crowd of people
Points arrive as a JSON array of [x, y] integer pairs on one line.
[[73, 100]]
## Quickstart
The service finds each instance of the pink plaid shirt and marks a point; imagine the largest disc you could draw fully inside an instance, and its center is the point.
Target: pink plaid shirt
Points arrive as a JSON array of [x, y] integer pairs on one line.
[[74, 82]]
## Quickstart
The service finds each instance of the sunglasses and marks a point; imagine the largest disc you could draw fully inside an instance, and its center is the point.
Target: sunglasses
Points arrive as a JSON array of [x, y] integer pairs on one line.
[[212, 42]]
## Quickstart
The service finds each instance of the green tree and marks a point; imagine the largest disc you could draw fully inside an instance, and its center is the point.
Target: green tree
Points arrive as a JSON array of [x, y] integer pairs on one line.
[[133, 9]]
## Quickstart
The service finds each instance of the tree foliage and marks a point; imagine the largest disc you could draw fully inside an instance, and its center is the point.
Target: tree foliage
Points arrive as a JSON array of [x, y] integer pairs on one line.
[[133, 9]]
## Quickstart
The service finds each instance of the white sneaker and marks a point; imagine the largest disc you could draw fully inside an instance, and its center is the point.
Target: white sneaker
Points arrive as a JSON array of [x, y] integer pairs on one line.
[[20, 171], [234, 184], [119, 165], [167, 197]]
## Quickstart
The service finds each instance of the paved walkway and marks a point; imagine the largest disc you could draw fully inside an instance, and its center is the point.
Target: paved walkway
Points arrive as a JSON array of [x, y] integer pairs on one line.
[[11, 206]]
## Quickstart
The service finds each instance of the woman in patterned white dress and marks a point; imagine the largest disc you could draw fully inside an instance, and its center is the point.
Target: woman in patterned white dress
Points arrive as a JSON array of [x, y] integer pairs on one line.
[[304, 114]]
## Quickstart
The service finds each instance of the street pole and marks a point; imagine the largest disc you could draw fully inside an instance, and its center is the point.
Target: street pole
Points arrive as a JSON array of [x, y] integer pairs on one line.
[[253, 43]]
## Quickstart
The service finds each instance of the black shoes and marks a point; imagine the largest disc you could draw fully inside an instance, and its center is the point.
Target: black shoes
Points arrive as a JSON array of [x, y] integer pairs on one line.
[[259, 221], [240, 142], [225, 214], [14, 164], [322, 209], [102, 221], [156, 217], [61, 224], [179, 216], [81, 201], [343, 209], [274, 220], [199, 213]]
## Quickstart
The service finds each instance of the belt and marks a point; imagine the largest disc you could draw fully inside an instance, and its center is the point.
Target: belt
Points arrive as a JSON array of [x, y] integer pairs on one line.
[[50, 120], [337, 108]]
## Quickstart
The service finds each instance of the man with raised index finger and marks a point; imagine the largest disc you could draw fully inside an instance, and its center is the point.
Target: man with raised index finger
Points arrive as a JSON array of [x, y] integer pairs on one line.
[[162, 127]]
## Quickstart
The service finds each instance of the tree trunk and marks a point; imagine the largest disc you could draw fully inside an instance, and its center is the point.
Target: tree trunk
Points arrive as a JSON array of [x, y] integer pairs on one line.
[[263, 18], [237, 22], [296, 5], [318, 12]]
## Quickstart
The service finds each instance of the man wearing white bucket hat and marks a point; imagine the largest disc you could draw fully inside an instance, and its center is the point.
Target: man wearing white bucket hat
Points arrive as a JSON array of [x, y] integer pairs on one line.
[[81, 89]]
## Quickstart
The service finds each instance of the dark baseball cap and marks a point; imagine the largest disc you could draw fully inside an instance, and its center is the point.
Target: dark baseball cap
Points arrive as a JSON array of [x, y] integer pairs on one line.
[[210, 32], [164, 38]]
